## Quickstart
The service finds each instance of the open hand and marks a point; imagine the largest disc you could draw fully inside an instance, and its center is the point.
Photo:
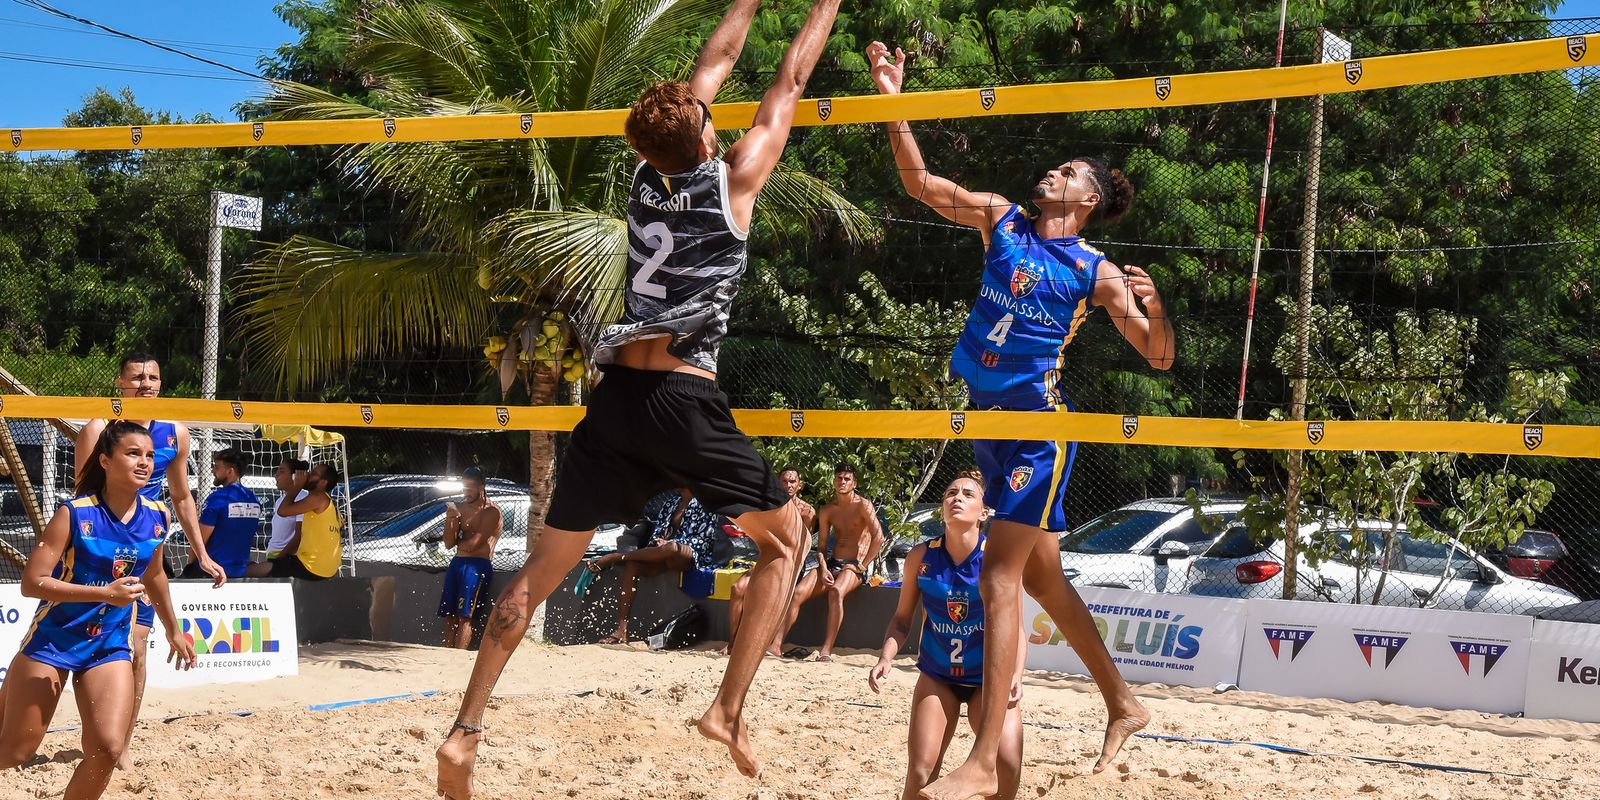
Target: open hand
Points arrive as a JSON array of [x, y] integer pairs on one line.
[[886, 75]]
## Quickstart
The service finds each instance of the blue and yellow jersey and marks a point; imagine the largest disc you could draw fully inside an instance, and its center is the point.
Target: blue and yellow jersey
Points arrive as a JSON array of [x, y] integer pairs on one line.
[[951, 648], [1035, 294], [100, 549], [164, 436]]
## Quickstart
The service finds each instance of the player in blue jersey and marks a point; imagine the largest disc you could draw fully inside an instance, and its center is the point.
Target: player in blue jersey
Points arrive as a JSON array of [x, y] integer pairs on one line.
[[100, 554], [942, 575], [139, 376], [1040, 283]]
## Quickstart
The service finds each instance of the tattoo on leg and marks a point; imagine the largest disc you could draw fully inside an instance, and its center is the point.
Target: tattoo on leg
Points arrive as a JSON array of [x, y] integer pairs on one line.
[[505, 617]]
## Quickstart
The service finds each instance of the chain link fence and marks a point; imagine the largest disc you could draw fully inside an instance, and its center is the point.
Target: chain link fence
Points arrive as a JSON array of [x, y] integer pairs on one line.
[[1457, 249]]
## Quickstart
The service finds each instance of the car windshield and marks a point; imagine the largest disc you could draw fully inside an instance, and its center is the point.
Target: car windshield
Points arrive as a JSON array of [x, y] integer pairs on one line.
[[407, 522], [1237, 543], [1536, 544], [1117, 532]]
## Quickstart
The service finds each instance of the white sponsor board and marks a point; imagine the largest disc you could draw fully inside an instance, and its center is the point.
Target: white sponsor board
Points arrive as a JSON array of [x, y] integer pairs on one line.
[[1158, 638], [16, 614], [241, 632], [1438, 659], [1564, 671], [236, 211]]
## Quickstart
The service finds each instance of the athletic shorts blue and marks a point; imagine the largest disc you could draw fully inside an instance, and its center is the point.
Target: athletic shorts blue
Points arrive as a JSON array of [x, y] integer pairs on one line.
[[145, 614], [465, 581], [74, 651], [1026, 482]]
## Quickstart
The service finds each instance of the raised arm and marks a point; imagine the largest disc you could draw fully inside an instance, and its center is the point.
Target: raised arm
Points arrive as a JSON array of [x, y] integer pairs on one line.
[[1149, 330], [894, 637], [722, 50], [979, 210], [183, 508], [83, 446], [751, 160]]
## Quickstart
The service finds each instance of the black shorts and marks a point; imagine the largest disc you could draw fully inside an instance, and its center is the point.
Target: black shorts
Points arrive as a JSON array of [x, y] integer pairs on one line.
[[290, 566], [646, 432]]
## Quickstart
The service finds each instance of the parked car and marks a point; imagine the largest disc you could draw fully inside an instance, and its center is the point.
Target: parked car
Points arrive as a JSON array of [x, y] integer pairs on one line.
[[1145, 545], [1532, 555], [1422, 573], [381, 497], [930, 524], [415, 537]]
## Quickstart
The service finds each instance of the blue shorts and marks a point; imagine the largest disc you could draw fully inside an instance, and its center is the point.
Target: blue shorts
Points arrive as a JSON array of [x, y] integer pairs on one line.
[[465, 581], [74, 652], [144, 613], [1026, 482]]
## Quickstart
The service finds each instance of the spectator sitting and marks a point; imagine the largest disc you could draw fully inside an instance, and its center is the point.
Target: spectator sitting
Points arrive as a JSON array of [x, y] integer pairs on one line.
[[685, 536], [229, 520], [315, 552], [284, 529]]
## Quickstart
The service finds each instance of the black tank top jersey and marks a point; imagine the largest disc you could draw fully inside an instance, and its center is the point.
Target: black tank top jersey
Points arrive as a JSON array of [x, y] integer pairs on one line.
[[685, 258]]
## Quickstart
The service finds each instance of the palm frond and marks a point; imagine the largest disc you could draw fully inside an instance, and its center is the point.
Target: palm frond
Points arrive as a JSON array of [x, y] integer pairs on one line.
[[420, 49], [796, 200], [578, 258], [310, 306]]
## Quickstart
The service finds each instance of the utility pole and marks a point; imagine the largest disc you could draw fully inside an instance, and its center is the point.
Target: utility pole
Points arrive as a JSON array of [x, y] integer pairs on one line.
[[227, 211]]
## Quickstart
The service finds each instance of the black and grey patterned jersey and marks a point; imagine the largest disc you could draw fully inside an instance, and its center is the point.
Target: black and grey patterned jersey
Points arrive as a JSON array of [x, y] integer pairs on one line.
[[685, 258]]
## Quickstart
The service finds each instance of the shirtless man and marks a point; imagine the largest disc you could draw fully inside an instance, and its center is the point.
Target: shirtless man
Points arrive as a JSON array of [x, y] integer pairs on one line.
[[472, 528], [857, 538], [789, 479]]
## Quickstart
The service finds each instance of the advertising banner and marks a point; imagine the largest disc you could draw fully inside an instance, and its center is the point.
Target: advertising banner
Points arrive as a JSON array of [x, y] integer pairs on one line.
[[1419, 657], [16, 614], [241, 632], [1564, 671], [1154, 638]]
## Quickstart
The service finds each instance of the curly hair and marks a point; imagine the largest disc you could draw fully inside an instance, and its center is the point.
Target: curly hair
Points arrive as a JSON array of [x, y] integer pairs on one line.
[[664, 125], [1116, 191]]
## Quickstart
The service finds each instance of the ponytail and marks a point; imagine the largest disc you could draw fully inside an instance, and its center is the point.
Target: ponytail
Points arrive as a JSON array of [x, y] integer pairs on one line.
[[92, 478]]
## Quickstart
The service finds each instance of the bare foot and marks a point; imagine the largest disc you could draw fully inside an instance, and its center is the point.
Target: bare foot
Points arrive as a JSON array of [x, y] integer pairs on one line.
[[1122, 725], [456, 757], [733, 736], [966, 782]]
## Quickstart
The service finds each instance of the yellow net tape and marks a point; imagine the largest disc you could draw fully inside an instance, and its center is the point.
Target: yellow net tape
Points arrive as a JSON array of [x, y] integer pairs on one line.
[[1573, 441], [1382, 72]]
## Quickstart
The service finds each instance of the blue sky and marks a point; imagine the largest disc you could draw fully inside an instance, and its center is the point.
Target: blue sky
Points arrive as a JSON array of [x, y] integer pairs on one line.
[[233, 32]]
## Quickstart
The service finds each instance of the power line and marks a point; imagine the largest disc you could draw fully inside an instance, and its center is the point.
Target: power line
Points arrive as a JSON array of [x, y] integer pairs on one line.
[[214, 47], [48, 9], [112, 66]]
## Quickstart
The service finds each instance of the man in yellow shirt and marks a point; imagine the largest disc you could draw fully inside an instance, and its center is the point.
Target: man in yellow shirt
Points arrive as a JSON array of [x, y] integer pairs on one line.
[[315, 552]]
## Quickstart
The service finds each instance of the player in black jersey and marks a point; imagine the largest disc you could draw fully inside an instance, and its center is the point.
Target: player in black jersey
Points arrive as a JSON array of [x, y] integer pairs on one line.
[[656, 419]]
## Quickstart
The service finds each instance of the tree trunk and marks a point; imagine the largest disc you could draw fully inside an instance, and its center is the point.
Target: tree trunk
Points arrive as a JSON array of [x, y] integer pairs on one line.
[[542, 386]]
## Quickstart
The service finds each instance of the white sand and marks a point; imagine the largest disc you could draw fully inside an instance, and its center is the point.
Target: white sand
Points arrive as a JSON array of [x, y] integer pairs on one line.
[[605, 722]]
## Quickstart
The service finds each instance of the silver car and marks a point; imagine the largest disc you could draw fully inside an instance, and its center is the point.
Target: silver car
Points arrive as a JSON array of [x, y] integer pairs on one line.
[[1144, 545], [416, 537], [1421, 573]]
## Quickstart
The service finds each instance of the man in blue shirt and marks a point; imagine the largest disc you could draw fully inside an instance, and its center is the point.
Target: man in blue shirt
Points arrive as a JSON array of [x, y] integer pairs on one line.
[[230, 518]]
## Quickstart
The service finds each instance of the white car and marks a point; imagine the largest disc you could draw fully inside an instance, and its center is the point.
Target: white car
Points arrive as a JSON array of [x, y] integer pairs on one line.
[[1144, 545], [1422, 573], [416, 537]]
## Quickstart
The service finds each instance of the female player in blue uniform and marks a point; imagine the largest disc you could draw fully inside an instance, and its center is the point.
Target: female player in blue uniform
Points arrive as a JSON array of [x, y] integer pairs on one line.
[[100, 554], [1041, 281], [942, 575], [139, 376]]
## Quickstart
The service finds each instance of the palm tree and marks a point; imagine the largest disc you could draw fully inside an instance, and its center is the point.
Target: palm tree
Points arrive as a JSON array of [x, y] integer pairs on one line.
[[530, 230]]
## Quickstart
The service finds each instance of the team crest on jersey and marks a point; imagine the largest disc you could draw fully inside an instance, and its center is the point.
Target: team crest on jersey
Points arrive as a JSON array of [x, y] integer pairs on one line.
[[122, 562], [116, 407], [797, 420], [158, 532], [1163, 88], [958, 422], [388, 127], [824, 109], [238, 409], [1024, 278], [366, 414], [138, 134], [1532, 436], [525, 123], [922, 569], [1130, 426], [1020, 477], [16, 138], [1352, 72], [1314, 432], [93, 628], [1577, 46], [86, 529], [1009, 227], [257, 130], [986, 97], [990, 358], [956, 607], [172, 441], [502, 415]]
